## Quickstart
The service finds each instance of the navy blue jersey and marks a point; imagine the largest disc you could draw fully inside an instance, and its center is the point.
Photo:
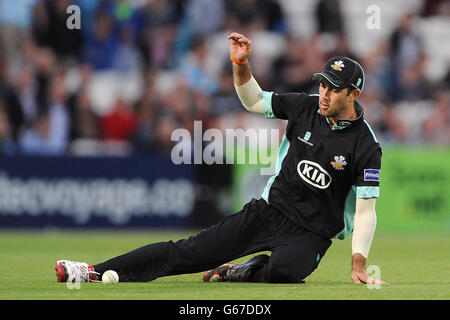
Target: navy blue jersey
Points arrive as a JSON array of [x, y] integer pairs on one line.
[[321, 169]]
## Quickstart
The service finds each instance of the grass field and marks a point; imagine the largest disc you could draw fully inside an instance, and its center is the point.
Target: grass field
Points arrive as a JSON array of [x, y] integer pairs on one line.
[[416, 265]]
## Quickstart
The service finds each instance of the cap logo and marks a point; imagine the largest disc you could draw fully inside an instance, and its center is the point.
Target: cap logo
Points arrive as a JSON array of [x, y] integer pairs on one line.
[[338, 65], [359, 82]]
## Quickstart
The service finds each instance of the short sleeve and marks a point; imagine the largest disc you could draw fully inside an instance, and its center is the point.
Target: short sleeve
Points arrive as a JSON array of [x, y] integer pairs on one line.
[[368, 176], [282, 106], [267, 105]]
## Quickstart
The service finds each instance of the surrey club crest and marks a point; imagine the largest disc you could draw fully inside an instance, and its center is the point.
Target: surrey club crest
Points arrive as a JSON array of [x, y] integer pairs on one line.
[[338, 65], [339, 162]]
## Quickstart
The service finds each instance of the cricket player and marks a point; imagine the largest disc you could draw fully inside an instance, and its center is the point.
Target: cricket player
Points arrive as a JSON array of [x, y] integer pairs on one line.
[[325, 186]]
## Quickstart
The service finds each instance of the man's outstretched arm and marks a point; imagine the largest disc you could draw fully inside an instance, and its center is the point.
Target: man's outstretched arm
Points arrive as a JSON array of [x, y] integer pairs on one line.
[[363, 231], [246, 86]]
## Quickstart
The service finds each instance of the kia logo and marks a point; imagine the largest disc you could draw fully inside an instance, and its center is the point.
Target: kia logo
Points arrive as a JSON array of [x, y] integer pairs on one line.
[[313, 174]]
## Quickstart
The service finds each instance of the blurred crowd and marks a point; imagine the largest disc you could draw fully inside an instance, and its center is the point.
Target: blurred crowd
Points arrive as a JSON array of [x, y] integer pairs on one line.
[[136, 70]]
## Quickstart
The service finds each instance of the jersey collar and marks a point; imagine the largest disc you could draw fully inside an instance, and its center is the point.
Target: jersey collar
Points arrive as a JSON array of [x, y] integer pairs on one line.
[[344, 123]]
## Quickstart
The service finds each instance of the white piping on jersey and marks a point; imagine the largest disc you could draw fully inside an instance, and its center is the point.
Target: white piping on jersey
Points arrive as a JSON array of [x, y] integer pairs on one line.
[[371, 131]]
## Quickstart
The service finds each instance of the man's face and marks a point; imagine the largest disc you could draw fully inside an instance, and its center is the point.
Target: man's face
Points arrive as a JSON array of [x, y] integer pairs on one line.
[[333, 102]]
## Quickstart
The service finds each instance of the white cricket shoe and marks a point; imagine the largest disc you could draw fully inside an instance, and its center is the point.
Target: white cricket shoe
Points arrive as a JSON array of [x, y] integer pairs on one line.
[[73, 271]]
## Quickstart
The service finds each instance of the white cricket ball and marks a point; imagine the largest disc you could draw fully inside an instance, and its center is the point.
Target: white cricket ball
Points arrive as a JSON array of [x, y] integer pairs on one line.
[[110, 277]]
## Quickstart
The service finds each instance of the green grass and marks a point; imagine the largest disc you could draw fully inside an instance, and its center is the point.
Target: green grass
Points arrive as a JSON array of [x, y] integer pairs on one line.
[[416, 265]]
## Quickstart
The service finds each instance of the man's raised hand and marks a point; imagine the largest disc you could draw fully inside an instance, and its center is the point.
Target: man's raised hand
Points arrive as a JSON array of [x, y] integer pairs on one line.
[[240, 48]]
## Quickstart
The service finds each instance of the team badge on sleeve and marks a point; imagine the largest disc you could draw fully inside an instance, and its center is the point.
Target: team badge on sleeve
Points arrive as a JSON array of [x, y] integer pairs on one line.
[[371, 175]]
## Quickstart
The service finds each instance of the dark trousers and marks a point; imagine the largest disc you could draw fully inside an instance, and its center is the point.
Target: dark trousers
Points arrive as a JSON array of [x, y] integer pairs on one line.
[[295, 252]]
